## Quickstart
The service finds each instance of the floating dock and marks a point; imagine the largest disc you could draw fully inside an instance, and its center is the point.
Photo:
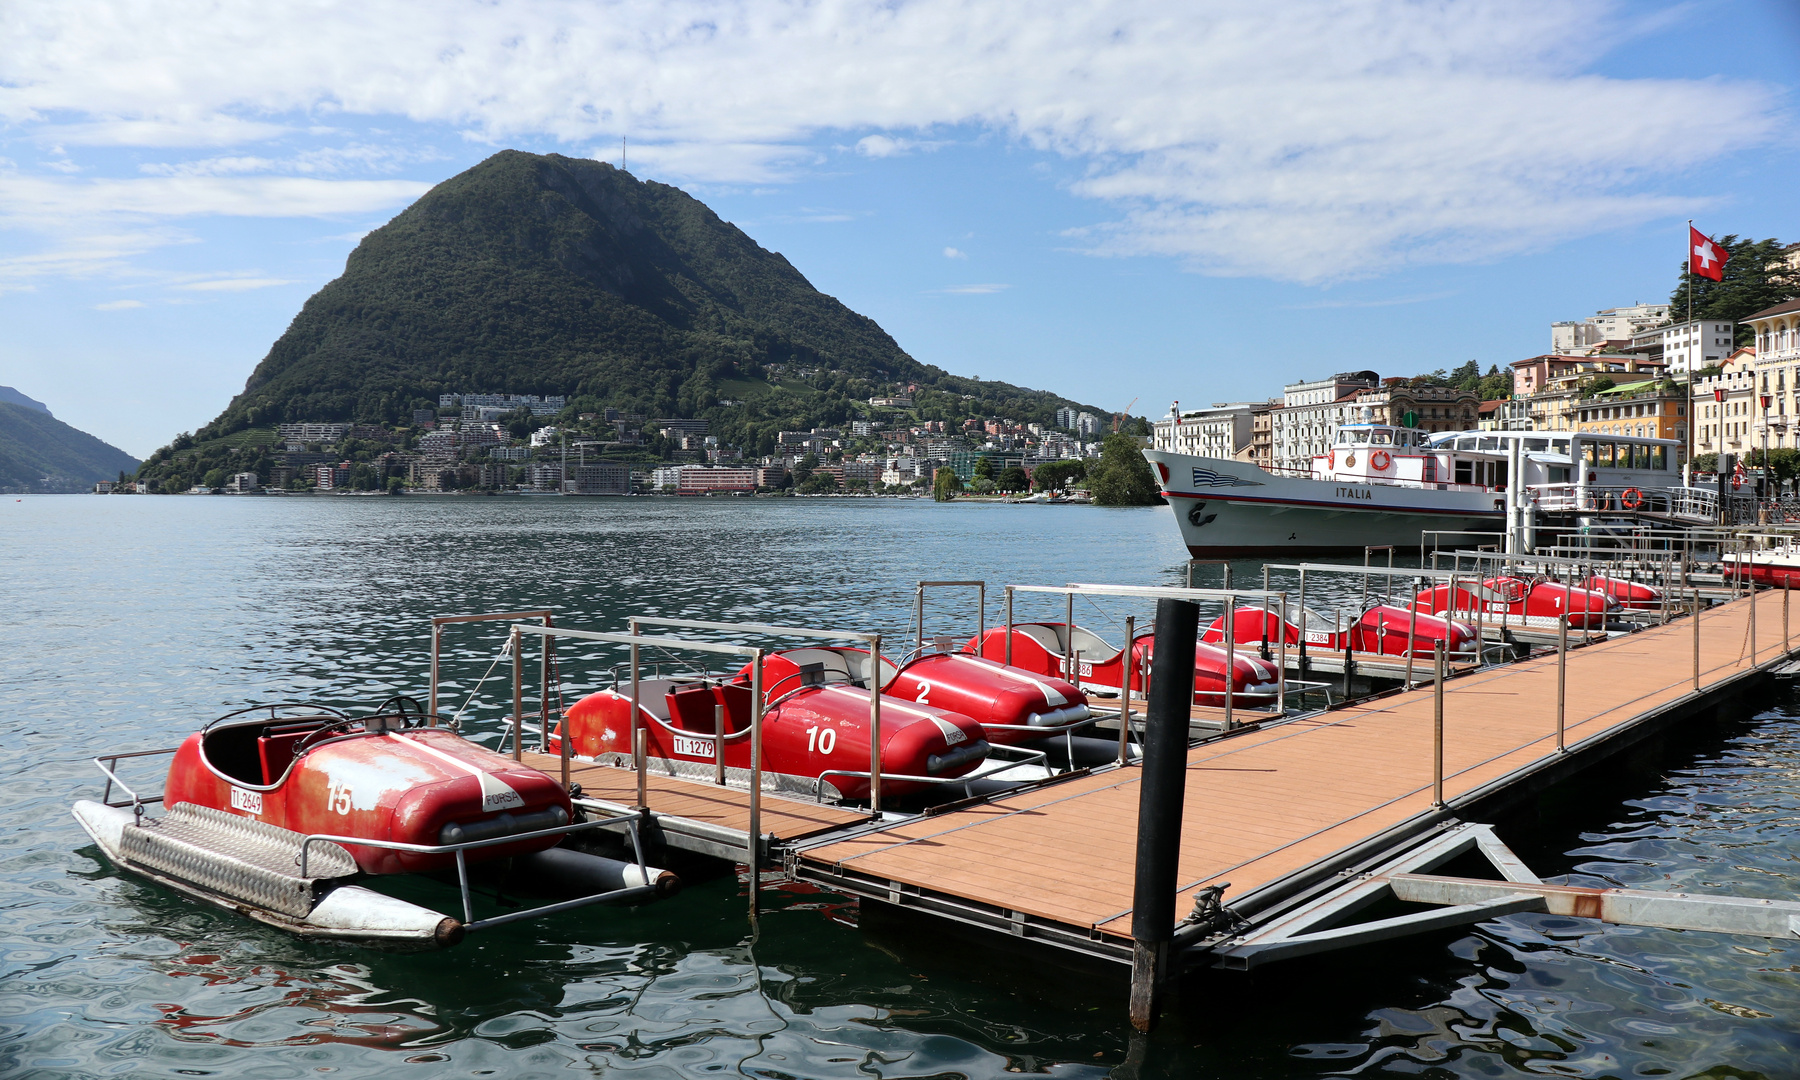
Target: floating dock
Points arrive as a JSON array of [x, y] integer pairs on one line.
[[1279, 810]]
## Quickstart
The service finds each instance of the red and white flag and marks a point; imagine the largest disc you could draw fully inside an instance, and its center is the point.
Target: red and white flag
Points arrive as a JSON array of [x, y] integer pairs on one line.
[[1705, 258]]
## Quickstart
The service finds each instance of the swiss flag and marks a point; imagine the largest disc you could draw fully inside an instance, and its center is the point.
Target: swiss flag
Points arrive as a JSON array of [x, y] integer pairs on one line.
[[1706, 258]]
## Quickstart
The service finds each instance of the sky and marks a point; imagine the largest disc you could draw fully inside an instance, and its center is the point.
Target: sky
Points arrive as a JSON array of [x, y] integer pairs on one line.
[[1122, 201]]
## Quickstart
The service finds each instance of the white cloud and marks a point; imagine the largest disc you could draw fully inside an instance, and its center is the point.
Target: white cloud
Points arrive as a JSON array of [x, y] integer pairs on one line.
[[973, 290], [237, 284], [119, 305], [881, 146], [1301, 141], [953, 253], [24, 199]]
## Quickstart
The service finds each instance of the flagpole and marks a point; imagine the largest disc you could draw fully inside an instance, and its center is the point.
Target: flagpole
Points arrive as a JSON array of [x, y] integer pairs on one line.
[[1688, 272]]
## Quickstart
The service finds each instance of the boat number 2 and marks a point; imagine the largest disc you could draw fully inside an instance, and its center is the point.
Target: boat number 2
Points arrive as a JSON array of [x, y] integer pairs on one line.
[[339, 799], [924, 693], [823, 740]]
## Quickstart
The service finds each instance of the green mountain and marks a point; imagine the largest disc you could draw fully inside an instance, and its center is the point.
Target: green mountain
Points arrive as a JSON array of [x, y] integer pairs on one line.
[[38, 452], [542, 274]]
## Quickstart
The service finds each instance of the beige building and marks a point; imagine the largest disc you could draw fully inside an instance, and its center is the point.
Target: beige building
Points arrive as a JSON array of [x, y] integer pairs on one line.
[[1725, 407], [1431, 408], [1774, 361], [1222, 431]]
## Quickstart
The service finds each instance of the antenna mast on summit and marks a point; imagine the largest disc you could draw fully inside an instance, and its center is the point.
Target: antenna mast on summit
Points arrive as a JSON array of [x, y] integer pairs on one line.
[[622, 167]]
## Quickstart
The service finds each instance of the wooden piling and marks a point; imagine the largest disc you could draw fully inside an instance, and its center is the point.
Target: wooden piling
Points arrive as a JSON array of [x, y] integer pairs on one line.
[[1160, 799]]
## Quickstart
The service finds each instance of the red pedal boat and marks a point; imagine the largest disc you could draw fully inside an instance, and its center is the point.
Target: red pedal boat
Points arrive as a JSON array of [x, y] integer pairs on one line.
[[1039, 647], [275, 811], [1628, 594], [1539, 603], [1382, 629], [815, 727], [1012, 704], [379, 778]]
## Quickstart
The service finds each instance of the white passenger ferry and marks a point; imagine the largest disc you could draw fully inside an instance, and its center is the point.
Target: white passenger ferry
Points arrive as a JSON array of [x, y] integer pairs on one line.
[[1385, 485]]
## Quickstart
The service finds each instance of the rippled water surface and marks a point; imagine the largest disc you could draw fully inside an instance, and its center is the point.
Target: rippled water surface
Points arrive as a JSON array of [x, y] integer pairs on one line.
[[130, 621]]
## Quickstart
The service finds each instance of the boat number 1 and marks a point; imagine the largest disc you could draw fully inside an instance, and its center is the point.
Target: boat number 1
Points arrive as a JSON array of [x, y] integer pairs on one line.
[[339, 800], [823, 740]]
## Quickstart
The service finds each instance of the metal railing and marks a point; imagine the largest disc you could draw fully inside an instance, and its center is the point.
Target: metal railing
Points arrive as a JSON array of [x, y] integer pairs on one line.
[[639, 733], [1228, 597], [470, 923]]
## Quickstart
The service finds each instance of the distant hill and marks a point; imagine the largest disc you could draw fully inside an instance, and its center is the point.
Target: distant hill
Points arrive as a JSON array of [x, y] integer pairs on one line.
[[8, 394], [35, 445], [542, 274]]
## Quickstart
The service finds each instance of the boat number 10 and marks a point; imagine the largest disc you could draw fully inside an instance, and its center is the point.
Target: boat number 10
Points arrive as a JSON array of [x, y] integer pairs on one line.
[[821, 739]]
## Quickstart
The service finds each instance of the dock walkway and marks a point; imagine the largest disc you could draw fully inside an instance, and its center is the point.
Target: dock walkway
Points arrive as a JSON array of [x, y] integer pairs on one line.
[[1057, 862], [698, 816]]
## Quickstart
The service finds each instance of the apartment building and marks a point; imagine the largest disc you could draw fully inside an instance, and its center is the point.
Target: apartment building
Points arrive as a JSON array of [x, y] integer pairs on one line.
[[1223, 431], [1310, 415]]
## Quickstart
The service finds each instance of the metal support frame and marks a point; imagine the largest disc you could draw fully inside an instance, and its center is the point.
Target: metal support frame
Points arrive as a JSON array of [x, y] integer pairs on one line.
[[1319, 926], [980, 588], [438, 622], [1230, 597], [756, 656], [872, 640], [1562, 678], [644, 891]]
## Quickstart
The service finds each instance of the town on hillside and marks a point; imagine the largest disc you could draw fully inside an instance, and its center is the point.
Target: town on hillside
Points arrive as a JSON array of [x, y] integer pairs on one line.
[[1713, 385], [546, 444]]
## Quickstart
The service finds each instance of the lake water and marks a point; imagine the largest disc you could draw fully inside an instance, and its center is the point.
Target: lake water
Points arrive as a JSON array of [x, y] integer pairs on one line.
[[133, 620]]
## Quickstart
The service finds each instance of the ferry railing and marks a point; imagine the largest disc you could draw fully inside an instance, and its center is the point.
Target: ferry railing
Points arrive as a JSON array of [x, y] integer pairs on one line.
[[629, 893], [1127, 658], [639, 734]]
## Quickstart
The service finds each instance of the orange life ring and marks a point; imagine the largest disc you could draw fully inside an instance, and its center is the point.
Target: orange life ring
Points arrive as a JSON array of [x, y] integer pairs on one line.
[[1632, 499], [1380, 460]]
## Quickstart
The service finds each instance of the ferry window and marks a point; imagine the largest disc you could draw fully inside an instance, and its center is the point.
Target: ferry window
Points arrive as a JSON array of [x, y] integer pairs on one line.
[[1537, 445], [1640, 456], [1659, 458], [1379, 438], [1465, 472], [1465, 444], [1489, 442], [1561, 446], [1590, 452]]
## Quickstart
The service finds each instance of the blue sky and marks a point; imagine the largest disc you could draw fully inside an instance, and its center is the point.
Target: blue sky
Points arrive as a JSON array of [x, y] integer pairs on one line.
[[1115, 200]]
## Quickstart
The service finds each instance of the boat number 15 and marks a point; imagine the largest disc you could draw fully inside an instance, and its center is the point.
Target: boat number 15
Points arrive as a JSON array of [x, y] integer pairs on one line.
[[821, 739], [339, 799]]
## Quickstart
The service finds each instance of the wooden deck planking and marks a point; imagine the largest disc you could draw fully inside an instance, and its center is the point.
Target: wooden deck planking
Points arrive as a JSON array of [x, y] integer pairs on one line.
[[725, 807], [1266, 803]]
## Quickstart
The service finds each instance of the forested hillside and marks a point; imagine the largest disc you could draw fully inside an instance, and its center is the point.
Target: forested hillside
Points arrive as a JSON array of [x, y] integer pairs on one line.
[[542, 274]]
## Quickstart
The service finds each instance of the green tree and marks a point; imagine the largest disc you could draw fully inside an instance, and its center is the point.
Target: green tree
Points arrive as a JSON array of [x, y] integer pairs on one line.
[[213, 479], [395, 485], [1012, 478], [984, 469], [1055, 475], [1122, 476], [945, 485], [803, 468], [818, 484], [1756, 277]]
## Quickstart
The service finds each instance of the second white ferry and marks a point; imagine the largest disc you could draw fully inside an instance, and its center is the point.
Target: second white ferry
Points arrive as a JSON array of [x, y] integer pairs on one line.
[[1386, 485]]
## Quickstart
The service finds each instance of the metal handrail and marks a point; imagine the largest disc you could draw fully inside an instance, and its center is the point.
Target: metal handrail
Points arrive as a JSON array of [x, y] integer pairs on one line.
[[645, 890], [137, 801]]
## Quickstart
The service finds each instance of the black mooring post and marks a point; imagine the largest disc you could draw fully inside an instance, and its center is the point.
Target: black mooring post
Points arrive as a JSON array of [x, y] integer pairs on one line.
[[1159, 803]]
